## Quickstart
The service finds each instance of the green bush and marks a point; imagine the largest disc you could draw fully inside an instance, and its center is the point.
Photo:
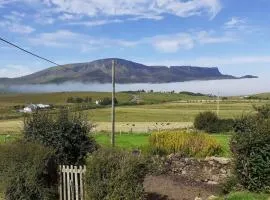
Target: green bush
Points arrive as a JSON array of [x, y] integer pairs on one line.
[[188, 144], [66, 133], [115, 175], [263, 111], [108, 101], [209, 122], [251, 150], [27, 172]]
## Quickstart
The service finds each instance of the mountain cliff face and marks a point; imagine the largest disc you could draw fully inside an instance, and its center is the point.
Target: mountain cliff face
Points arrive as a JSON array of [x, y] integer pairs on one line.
[[126, 72]]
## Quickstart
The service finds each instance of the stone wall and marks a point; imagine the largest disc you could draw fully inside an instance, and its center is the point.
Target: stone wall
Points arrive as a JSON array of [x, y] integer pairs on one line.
[[211, 170]]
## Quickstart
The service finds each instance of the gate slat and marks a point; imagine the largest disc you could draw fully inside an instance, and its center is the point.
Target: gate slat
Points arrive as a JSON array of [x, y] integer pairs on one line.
[[76, 184], [68, 183], [64, 177], [60, 183], [72, 182], [81, 183]]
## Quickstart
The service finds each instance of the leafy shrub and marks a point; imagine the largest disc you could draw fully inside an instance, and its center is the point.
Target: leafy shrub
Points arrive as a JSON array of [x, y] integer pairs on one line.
[[263, 111], [205, 121], [231, 184], [107, 101], [27, 171], [209, 122], [251, 150], [115, 175], [79, 100], [66, 133], [189, 144]]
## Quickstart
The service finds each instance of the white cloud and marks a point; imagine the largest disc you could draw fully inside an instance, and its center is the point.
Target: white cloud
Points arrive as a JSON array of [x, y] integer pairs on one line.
[[236, 23], [12, 22], [147, 16], [69, 39], [215, 61], [16, 27], [138, 8], [204, 37], [172, 43], [61, 38], [20, 28], [5, 2], [12, 71], [96, 22]]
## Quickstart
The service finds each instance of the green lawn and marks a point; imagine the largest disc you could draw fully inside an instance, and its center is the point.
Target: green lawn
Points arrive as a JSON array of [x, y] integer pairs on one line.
[[126, 141], [224, 140], [133, 141], [246, 196]]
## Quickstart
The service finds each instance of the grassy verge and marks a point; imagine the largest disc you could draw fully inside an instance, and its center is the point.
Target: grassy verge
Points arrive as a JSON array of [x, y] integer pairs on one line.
[[224, 140], [246, 196], [125, 141], [9, 138]]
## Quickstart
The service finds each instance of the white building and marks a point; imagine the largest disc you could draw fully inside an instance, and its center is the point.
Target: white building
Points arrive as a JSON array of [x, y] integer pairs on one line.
[[32, 107], [98, 102]]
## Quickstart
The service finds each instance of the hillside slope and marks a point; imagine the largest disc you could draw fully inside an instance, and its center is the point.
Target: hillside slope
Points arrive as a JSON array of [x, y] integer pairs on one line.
[[126, 72]]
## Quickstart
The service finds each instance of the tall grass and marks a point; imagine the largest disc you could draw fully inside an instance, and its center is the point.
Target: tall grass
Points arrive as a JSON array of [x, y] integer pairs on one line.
[[189, 144]]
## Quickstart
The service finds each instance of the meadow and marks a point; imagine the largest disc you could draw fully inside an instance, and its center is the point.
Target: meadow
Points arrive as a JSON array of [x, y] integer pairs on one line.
[[154, 111]]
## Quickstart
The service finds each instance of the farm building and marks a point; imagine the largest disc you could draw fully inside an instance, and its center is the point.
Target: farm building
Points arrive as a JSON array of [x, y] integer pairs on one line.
[[32, 107]]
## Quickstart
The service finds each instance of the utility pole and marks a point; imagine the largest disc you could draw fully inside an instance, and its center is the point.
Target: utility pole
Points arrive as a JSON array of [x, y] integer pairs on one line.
[[218, 106], [113, 104]]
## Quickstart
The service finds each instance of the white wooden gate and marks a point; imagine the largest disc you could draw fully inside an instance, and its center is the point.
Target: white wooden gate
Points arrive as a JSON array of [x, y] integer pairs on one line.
[[71, 185]]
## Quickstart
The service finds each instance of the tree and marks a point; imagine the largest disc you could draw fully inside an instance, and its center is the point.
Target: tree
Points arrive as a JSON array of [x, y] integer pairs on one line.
[[66, 133], [107, 101]]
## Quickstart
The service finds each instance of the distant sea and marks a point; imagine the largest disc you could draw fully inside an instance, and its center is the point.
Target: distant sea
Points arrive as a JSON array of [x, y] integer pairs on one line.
[[216, 87]]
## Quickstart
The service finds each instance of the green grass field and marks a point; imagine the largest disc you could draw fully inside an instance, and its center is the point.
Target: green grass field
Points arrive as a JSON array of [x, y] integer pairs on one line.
[[159, 107], [136, 141], [125, 141], [170, 112]]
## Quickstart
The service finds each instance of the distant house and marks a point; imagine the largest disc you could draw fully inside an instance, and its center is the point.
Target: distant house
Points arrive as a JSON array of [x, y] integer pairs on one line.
[[98, 102], [32, 107]]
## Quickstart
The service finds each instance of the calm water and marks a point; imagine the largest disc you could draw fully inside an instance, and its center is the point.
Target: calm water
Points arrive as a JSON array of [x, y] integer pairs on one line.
[[222, 87]]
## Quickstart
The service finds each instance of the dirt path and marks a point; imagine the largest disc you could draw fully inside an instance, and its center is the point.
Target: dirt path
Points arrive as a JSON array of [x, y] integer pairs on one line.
[[176, 188]]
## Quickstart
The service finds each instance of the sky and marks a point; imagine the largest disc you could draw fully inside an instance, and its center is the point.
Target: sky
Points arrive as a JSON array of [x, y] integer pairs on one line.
[[233, 35]]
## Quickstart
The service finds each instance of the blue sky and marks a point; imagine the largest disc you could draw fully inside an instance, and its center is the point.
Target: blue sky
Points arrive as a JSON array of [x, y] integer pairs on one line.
[[233, 35]]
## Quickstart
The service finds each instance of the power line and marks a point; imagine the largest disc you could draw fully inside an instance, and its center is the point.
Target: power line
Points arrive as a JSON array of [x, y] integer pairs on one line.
[[33, 54]]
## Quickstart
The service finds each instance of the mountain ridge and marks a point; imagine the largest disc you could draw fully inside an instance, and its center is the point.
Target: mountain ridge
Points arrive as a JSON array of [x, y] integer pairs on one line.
[[99, 71]]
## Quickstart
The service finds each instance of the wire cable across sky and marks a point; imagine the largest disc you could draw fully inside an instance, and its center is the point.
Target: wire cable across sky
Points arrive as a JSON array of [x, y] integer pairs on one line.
[[28, 52]]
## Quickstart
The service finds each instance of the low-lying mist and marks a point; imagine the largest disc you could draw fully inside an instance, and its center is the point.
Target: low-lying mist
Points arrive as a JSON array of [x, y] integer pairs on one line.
[[221, 87]]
